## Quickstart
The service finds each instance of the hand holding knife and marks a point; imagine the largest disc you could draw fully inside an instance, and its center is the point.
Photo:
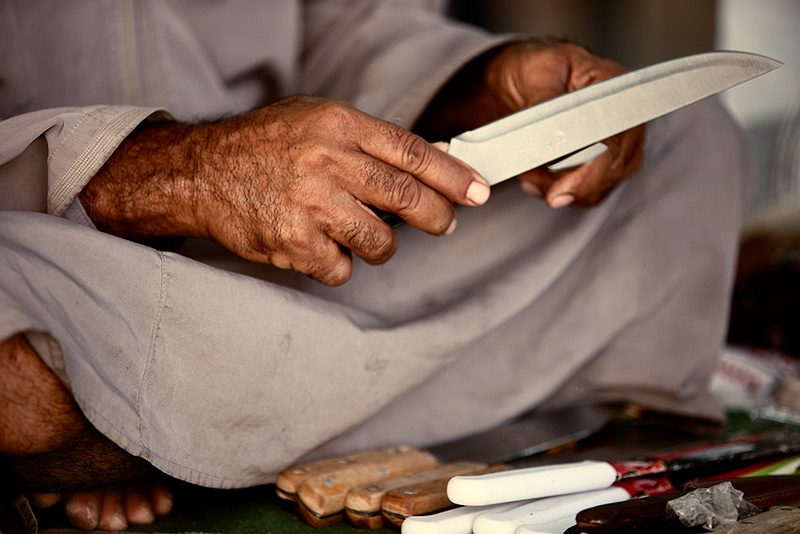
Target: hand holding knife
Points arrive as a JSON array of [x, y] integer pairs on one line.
[[544, 134], [575, 123]]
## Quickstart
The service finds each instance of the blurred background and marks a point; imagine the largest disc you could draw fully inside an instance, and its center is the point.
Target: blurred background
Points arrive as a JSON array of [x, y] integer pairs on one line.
[[766, 303]]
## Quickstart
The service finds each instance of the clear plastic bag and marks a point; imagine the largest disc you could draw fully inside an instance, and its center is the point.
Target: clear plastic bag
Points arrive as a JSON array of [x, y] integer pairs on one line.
[[711, 507]]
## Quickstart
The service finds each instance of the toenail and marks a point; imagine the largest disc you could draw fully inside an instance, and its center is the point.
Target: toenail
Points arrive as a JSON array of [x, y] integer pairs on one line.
[[117, 522]]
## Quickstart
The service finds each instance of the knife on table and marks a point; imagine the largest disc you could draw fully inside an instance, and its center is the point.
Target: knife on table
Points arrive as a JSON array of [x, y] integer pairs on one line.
[[322, 489], [588, 475], [569, 124], [529, 437]]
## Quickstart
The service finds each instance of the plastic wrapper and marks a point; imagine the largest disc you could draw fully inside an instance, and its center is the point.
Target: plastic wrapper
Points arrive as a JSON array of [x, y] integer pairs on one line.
[[711, 507]]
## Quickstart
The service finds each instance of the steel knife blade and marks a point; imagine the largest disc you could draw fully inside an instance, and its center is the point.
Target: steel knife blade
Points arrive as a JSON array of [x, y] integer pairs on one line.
[[556, 128]]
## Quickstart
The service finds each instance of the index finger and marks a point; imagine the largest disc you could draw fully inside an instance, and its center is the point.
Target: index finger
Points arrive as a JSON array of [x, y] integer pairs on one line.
[[441, 172]]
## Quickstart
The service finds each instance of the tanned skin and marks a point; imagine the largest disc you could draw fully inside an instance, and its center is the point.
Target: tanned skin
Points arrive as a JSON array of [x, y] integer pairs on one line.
[[287, 184], [48, 448]]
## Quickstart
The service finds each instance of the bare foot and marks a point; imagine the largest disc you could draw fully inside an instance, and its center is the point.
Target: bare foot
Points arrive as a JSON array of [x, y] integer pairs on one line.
[[112, 508], [50, 451]]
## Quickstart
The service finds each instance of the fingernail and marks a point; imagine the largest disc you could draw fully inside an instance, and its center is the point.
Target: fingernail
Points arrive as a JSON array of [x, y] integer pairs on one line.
[[451, 228], [478, 193], [561, 201], [531, 188]]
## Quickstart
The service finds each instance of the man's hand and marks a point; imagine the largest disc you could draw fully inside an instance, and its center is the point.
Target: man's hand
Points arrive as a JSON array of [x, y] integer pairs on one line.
[[520, 75], [527, 73], [288, 184]]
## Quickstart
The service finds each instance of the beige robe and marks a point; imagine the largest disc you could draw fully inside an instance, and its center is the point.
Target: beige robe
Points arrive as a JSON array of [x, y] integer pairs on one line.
[[221, 372]]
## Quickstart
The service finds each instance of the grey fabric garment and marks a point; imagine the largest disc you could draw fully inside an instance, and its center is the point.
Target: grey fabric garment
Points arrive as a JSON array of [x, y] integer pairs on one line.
[[221, 372]]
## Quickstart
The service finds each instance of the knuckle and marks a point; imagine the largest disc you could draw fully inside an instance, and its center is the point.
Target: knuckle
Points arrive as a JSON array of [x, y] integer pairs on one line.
[[415, 154], [369, 240], [336, 114], [403, 191], [406, 193], [318, 156], [335, 271]]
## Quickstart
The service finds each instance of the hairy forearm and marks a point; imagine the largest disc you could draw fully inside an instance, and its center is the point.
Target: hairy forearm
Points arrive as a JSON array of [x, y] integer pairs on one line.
[[149, 186]]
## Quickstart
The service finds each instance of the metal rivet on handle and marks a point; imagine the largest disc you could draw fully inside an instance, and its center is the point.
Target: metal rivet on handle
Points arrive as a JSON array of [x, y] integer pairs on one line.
[[383, 472], [329, 483], [411, 492], [300, 471]]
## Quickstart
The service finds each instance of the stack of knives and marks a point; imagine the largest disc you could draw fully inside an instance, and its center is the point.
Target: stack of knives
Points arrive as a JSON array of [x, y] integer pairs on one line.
[[500, 481]]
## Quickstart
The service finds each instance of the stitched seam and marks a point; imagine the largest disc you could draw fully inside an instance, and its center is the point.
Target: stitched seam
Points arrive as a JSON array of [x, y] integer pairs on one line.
[[91, 159], [151, 346], [198, 475], [69, 134]]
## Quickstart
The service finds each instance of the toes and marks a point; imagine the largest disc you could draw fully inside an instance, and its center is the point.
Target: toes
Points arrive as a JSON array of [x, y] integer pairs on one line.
[[161, 498], [112, 515], [138, 508], [44, 500], [83, 508]]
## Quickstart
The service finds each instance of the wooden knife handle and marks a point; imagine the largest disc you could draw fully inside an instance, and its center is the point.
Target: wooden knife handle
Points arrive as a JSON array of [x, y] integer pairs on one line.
[[363, 504], [425, 498], [289, 480], [324, 495]]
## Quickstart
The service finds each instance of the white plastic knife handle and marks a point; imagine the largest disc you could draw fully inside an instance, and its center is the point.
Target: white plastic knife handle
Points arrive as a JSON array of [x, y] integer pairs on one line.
[[531, 483], [559, 526], [454, 521], [547, 510]]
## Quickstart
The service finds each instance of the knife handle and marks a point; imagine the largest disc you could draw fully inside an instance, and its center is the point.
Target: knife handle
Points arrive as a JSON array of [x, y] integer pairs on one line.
[[363, 504], [289, 480], [425, 498], [546, 510], [323, 495], [531, 483]]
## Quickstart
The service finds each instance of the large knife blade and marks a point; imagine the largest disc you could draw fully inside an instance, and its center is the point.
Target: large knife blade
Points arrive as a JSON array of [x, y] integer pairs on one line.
[[556, 128]]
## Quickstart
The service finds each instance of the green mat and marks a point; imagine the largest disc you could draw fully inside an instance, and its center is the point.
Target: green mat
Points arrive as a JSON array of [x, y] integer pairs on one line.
[[245, 511]]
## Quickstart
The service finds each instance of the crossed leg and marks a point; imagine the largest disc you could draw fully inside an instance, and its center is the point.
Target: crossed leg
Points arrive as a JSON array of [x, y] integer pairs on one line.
[[50, 451]]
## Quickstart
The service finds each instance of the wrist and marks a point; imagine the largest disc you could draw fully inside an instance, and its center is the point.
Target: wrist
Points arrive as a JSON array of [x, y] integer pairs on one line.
[[148, 187]]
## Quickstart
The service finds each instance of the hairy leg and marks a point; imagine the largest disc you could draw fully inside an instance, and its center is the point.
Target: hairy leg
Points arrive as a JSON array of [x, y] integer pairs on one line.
[[48, 449]]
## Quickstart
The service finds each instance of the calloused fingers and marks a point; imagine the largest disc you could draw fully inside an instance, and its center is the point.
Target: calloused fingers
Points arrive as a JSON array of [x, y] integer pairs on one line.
[[317, 256], [359, 229], [423, 178], [391, 189]]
